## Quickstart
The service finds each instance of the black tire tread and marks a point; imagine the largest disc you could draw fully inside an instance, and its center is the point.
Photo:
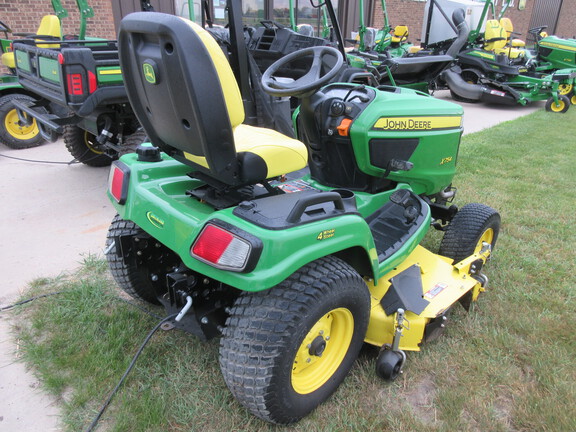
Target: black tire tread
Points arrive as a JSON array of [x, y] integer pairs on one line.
[[74, 139], [261, 323], [6, 137], [466, 228], [128, 277]]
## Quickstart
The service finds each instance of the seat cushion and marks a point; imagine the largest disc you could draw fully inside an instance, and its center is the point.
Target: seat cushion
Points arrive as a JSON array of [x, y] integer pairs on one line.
[[8, 60], [266, 153]]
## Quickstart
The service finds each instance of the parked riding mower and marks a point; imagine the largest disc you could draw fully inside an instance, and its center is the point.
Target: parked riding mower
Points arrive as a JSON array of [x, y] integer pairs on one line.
[[293, 273], [486, 70]]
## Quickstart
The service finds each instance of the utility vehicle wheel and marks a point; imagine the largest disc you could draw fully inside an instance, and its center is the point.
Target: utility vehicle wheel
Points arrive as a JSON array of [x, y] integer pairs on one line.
[[573, 98], [13, 132], [83, 146], [473, 225], [133, 141], [286, 350], [148, 262], [389, 364], [560, 107]]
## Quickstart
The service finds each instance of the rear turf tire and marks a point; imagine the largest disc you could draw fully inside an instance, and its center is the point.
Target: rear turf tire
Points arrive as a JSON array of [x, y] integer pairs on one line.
[[135, 274], [284, 351], [83, 146], [473, 224], [12, 132]]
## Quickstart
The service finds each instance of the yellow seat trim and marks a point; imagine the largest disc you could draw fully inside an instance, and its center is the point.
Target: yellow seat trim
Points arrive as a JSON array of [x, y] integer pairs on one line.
[[281, 153], [400, 33], [230, 89], [8, 60], [494, 31]]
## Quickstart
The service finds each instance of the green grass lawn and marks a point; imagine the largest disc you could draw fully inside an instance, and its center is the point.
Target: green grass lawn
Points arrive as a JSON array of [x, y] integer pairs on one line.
[[508, 365]]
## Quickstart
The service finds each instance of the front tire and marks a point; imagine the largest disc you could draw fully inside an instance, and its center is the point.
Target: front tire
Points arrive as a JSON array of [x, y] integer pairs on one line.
[[286, 350], [13, 132], [473, 225]]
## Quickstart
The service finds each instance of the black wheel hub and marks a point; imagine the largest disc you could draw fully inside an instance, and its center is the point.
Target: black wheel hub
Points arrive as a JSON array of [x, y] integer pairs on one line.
[[317, 346]]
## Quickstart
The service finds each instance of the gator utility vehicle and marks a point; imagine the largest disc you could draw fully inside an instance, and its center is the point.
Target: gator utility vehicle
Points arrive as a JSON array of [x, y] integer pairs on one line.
[[17, 128], [15, 131], [293, 272]]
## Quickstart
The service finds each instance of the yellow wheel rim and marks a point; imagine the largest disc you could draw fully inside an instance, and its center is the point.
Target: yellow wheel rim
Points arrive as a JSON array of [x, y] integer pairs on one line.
[[486, 237], [91, 143], [565, 89], [322, 351], [17, 130], [558, 107], [573, 99]]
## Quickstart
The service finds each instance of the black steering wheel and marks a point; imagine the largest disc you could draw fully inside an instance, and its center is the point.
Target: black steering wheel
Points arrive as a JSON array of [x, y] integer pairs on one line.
[[311, 80], [4, 28], [537, 30]]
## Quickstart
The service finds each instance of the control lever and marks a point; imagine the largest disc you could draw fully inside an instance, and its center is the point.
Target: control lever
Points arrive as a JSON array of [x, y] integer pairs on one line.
[[398, 165]]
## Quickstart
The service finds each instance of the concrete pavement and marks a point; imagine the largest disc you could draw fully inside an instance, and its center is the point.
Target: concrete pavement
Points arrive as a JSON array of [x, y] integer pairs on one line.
[[53, 215]]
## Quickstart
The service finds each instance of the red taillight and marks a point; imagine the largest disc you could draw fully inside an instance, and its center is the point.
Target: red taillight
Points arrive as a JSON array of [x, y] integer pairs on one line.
[[60, 58], [92, 84], [118, 181], [75, 86], [221, 248]]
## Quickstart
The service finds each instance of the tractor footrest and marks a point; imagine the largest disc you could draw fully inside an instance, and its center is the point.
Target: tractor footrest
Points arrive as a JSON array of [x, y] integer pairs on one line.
[[396, 222]]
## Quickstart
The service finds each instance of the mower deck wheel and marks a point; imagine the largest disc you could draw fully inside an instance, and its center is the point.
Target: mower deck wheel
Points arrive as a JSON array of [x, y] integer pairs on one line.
[[284, 351], [389, 364], [560, 107]]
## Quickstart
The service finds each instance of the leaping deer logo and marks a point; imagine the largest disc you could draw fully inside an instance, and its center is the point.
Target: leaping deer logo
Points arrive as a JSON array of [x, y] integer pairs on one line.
[[149, 73]]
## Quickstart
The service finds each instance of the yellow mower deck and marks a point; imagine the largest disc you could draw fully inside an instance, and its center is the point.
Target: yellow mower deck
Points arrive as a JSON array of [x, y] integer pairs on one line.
[[443, 284]]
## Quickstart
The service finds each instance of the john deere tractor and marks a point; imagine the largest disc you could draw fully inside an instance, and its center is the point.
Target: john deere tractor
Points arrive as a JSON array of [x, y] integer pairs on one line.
[[294, 252]]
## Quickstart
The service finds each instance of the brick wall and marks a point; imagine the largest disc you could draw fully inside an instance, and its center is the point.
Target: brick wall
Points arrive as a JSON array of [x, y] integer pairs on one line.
[[566, 23], [24, 16]]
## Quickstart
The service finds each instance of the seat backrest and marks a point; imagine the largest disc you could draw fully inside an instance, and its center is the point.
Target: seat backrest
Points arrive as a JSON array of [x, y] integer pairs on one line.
[[494, 35], [400, 33], [506, 23], [49, 26], [183, 91]]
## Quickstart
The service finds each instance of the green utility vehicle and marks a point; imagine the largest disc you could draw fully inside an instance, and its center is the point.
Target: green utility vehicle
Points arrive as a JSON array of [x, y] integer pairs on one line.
[[19, 129], [294, 268]]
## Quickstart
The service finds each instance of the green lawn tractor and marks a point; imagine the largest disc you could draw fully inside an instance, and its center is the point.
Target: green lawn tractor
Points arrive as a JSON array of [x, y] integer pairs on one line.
[[293, 268], [552, 53]]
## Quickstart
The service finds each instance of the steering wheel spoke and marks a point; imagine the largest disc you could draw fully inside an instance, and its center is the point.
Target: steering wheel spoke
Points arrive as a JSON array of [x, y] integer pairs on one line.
[[312, 79]]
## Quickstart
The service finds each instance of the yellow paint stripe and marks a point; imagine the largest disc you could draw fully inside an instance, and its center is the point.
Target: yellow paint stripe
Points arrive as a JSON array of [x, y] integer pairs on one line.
[[559, 46], [418, 123], [199, 160], [110, 72]]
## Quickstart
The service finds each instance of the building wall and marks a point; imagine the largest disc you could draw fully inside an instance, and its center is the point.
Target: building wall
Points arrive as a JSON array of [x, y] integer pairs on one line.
[[24, 16], [567, 21]]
